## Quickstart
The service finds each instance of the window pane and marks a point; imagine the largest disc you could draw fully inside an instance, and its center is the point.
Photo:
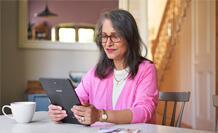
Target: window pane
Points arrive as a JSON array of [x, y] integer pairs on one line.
[[53, 36], [86, 35], [67, 35]]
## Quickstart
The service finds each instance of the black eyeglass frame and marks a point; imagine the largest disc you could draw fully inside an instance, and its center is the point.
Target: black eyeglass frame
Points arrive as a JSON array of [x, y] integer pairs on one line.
[[113, 38]]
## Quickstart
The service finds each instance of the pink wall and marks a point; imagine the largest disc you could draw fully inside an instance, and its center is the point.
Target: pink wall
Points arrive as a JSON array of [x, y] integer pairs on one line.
[[76, 11]]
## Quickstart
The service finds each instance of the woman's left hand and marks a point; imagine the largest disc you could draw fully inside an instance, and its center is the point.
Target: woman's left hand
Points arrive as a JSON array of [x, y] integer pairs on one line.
[[86, 114]]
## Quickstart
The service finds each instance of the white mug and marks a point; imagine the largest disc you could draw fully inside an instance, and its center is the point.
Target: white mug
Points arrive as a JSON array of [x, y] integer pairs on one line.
[[22, 112]]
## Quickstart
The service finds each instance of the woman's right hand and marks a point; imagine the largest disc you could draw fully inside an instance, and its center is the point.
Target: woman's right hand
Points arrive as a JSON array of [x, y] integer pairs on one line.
[[56, 113]]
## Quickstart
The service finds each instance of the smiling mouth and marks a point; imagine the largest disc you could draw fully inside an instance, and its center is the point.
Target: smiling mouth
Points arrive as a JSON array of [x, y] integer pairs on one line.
[[110, 50]]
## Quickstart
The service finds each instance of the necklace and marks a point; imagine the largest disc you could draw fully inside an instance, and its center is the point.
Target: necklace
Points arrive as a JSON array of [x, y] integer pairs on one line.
[[123, 77]]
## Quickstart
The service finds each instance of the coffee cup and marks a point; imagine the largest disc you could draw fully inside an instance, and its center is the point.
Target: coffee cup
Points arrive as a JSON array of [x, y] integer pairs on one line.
[[22, 112]]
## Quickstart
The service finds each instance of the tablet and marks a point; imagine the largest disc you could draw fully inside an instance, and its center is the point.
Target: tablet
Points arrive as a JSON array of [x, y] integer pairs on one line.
[[62, 93]]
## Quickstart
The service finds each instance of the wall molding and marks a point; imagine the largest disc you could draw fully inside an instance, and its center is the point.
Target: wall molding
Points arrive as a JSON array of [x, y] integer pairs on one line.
[[124, 4]]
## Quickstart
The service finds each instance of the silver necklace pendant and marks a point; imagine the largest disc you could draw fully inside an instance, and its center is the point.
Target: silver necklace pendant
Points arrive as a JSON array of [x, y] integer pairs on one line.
[[122, 79], [117, 83]]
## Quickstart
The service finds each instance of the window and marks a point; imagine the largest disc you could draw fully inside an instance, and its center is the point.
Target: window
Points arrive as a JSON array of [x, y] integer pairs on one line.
[[74, 33], [86, 35], [67, 35]]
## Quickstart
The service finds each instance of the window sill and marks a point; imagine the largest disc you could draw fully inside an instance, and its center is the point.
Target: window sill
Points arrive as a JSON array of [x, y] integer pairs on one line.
[[39, 44]]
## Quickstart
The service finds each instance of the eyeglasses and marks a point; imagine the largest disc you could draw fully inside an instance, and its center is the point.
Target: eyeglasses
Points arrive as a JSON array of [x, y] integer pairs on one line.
[[113, 38]]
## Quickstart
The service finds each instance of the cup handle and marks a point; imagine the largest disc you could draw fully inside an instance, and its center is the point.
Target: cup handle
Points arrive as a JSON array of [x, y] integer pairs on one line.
[[6, 106]]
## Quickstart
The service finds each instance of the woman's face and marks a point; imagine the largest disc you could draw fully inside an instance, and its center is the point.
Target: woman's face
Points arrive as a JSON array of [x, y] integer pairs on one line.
[[114, 45]]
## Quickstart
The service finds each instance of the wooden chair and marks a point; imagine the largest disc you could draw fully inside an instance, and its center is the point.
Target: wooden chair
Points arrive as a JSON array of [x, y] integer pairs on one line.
[[215, 100], [215, 104], [174, 97]]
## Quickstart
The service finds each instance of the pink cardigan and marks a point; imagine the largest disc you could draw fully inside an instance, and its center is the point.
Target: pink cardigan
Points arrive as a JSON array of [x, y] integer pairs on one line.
[[140, 94]]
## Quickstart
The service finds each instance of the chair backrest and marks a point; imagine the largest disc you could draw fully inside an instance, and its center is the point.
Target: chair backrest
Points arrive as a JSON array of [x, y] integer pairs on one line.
[[174, 97], [215, 104], [215, 100]]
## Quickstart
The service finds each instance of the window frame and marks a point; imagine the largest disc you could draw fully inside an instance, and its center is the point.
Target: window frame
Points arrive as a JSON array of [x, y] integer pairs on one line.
[[44, 44], [76, 27]]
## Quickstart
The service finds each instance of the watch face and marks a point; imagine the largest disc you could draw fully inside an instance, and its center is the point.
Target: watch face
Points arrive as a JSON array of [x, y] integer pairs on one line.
[[104, 117]]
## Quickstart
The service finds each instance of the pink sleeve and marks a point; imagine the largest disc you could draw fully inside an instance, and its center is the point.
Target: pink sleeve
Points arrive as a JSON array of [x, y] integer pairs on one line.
[[146, 100], [83, 89]]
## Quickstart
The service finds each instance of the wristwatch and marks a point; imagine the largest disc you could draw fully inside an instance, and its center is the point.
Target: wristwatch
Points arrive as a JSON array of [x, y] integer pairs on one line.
[[104, 115]]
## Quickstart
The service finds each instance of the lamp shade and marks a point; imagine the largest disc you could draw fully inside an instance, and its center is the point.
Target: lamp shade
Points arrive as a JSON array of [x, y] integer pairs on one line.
[[46, 13]]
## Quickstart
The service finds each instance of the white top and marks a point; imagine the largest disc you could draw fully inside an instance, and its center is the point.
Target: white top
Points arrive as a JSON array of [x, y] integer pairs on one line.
[[42, 124], [119, 80]]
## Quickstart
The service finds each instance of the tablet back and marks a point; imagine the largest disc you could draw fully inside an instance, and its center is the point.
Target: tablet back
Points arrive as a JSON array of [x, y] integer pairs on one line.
[[61, 93]]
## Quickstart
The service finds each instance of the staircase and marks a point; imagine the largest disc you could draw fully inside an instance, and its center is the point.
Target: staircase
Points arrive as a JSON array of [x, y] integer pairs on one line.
[[163, 45]]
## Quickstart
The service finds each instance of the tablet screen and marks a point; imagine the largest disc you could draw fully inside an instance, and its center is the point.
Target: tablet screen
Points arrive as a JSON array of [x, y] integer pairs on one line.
[[62, 93]]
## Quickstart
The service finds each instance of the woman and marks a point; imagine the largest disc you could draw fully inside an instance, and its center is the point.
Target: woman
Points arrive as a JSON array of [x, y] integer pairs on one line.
[[122, 87]]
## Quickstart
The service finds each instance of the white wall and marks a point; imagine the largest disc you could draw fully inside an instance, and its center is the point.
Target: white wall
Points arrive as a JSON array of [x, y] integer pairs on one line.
[[20, 65], [0, 56], [155, 13], [139, 10], [184, 67]]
